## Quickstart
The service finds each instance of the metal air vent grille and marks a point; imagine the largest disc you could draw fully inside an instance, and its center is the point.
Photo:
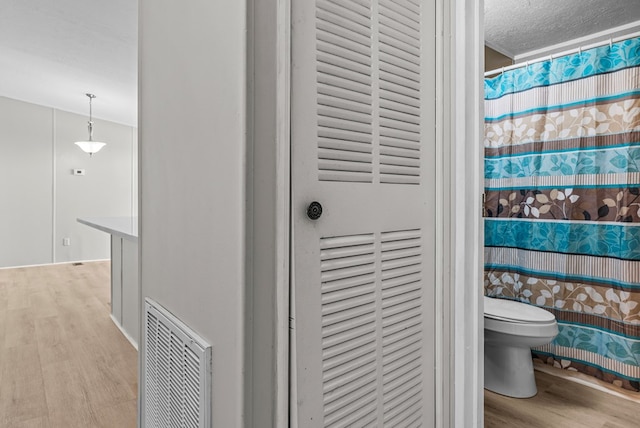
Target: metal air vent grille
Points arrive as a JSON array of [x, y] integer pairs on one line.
[[177, 373]]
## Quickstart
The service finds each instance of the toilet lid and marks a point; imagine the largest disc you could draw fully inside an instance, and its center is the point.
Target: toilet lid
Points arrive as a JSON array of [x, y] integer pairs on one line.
[[509, 310]]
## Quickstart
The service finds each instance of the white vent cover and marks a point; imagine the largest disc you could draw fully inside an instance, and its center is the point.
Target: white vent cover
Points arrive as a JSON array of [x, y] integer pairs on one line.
[[177, 373]]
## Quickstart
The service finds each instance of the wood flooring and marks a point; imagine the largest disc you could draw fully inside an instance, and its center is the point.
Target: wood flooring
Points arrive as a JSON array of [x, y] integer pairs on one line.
[[561, 403], [63, 363]]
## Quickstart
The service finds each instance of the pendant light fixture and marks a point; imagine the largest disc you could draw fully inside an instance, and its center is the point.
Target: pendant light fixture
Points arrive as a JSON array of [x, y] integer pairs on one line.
[[90, 146]]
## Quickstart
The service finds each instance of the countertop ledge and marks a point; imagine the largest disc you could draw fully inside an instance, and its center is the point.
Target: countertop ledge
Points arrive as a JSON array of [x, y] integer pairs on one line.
[[124, 227]]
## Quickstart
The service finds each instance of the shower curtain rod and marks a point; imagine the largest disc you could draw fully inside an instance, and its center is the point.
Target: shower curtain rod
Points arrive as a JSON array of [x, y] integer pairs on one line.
[[610, 41]]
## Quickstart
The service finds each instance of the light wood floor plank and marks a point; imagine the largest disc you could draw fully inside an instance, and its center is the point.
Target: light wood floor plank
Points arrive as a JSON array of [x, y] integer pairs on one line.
[[34, 423], [21, 385], [121, 415], [16, 294], [106, 386], [42, 304], [4, 293], [3, 327], [52, 340], [561, 403], [20, 328], [63, 363], [67, 396]]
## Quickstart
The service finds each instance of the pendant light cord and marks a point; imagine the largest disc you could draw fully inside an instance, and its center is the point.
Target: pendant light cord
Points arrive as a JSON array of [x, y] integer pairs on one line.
[[91, 97]]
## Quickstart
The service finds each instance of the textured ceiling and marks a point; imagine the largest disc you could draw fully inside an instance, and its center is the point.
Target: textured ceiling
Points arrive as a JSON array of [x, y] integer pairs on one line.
[[52, 52], [514, 27]]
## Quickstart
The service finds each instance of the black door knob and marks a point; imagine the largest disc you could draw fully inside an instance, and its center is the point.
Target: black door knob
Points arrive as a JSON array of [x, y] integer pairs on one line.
[[314, 210]]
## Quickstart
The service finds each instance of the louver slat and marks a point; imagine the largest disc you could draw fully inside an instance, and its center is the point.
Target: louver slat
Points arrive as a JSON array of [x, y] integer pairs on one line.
[[340, 110], [393, 37], [399, 53], [176, 373], [372, 328], [339, 98], [344, 85], [349, 330], [401, 102], [391, 112], [401, 327]]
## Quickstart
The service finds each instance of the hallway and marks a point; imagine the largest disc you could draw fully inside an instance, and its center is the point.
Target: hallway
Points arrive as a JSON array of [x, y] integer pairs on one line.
[[63, 362]]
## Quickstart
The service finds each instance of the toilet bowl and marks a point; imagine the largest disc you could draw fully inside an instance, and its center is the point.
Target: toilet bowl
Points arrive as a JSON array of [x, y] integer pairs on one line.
[[510, 330]]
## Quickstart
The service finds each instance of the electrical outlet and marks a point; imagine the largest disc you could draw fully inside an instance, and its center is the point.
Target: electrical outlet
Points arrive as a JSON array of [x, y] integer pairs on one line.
[[66, 241]]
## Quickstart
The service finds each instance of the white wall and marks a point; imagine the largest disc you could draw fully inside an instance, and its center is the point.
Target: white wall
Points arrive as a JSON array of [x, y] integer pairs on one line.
[[40, 197], [26, 189], [192, 74]]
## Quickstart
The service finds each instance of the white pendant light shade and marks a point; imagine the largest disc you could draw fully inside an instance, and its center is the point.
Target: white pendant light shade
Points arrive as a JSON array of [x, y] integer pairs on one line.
[[90, 146]]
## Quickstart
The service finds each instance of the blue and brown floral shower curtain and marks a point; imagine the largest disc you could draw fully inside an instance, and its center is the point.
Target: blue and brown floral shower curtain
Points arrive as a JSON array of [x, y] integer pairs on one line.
[[562, 189]]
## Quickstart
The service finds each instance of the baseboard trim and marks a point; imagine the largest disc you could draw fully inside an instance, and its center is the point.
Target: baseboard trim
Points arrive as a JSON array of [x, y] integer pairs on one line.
[[586, 380], [124, 332], [54, 264]]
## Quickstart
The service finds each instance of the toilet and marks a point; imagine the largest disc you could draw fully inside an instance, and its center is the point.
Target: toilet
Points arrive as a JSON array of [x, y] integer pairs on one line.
[[510, 330]]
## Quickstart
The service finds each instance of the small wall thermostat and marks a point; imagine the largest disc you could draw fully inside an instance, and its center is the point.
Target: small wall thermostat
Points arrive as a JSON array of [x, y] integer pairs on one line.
[[78, 171]]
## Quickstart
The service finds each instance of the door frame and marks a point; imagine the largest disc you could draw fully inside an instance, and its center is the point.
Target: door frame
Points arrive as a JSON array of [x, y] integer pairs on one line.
[[462, 63], [459, 330]]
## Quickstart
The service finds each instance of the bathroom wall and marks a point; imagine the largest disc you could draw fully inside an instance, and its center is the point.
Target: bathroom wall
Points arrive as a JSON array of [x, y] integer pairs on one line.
[[41, 199], [494, 59]]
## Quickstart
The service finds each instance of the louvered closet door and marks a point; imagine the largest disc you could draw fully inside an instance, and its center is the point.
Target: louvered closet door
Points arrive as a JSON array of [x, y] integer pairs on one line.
[[363, 145]]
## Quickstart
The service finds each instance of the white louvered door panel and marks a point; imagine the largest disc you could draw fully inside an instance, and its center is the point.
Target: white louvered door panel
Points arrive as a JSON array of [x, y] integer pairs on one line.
[[399, 68], [349, 329], [402, 328], [344, 86], [363, 145]]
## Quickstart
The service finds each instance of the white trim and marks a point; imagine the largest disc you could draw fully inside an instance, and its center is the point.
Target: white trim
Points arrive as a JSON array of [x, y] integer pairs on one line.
[[615, 34], [53, 185], [141, 323], [577, 377], [459, 368], [122, 330], [134, 172], [283, 212], [464, 117], [53, 264], [443, 373]]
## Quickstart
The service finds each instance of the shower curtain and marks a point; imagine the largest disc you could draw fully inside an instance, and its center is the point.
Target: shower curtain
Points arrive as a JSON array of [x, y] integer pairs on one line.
[[562, 193]]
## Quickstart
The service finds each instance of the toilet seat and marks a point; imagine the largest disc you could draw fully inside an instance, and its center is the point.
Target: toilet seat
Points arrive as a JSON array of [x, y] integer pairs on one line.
[[512, 311], [518, 319]]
